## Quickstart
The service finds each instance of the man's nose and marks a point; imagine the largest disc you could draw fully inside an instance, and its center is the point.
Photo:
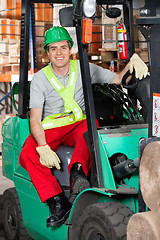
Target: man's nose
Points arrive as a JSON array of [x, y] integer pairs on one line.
[[59, 51]]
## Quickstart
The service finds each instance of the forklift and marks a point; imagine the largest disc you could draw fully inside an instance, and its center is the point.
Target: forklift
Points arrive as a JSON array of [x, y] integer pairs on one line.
[[102, 211]]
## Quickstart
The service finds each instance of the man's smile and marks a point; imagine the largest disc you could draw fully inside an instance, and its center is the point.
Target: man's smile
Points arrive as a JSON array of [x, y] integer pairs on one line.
[[59, 58]]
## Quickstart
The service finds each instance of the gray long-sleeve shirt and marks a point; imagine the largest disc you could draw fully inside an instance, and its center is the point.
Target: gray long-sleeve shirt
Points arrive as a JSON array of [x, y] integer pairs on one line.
[[43, 95]]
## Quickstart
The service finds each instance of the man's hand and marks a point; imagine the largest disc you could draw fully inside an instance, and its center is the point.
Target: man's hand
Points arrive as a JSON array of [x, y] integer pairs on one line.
[[48, 158], [140, 67]]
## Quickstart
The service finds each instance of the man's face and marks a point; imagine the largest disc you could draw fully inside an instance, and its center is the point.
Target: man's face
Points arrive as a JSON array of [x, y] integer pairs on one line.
[[59, 54]]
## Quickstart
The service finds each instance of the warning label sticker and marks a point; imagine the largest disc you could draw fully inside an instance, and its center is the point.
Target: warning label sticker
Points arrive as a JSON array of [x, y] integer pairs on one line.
[[156, 115]]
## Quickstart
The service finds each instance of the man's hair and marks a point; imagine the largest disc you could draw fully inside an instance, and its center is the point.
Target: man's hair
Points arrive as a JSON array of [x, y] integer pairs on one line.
[[68, 42]]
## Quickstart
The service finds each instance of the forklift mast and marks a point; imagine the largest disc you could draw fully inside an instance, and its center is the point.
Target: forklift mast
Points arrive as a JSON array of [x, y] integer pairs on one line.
[[27, 26]]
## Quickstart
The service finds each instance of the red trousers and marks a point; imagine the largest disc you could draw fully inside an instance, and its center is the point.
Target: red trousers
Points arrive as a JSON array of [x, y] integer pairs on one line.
[[72, 135]]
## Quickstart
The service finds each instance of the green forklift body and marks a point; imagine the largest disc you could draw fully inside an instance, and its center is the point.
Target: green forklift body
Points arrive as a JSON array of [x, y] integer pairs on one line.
[[121, 139], [15, 130]]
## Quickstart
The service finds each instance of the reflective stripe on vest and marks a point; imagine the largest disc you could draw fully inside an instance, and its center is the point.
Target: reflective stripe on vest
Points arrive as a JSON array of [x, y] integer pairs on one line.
[[71, 106]]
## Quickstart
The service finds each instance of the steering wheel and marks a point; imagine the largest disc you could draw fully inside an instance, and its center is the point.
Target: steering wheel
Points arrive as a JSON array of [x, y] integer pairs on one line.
[[133, 82]]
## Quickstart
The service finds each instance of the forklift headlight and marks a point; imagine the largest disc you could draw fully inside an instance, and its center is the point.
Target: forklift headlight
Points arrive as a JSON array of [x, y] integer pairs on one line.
[[89, 8]]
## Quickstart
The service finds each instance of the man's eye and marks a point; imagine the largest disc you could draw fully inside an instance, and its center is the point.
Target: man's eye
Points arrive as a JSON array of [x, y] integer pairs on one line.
[[52, 49]]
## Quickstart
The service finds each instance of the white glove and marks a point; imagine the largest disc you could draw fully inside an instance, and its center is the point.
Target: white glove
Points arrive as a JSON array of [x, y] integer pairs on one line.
[[48, 158], [140, 67]]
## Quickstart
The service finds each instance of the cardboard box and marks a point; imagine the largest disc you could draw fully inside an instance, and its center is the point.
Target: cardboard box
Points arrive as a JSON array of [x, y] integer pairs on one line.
[[13, 59], [14, 49], [4, 46], [40, 28], [43, 12], [18, 10], [12, 9], [10, 29], [4, 59], [15, 29], [48, 12], [5, 28], [6, 68]]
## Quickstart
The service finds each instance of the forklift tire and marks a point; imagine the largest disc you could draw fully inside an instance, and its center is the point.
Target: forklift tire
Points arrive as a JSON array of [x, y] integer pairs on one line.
[[13, 223], [104, 221]]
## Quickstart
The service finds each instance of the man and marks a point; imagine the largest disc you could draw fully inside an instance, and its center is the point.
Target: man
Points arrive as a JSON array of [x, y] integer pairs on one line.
[[57, 116]]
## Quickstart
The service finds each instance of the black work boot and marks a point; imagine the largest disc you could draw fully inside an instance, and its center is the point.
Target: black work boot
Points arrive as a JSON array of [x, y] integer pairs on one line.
[[78, 181], [59, 207]]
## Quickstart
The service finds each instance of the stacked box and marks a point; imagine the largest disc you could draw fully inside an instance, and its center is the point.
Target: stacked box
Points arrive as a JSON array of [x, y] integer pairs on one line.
[[10, 9], [15, 26], [4, 59], [39, 11], [43, 12], [40, 29], [14, 51], [5, 28], [3, 6], [13, 59], [48, 13], [18, 10], [9, 29], [10, 5], [4, 47], [9, 68]]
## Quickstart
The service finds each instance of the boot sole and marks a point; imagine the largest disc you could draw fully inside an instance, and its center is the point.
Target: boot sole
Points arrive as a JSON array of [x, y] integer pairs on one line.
[[60, 222], [80, 185]]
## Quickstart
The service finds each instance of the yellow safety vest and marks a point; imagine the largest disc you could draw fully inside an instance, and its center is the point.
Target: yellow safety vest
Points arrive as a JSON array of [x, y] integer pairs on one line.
[[71, 106]]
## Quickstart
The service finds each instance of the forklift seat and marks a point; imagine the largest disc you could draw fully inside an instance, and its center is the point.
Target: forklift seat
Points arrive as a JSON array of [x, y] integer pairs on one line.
[[62, 175], [15, 92]]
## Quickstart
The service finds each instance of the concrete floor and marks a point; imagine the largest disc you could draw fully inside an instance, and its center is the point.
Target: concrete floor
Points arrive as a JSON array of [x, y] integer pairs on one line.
[[4, 184]]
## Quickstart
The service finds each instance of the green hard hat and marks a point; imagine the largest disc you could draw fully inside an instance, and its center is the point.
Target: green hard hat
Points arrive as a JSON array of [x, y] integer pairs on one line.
[[56, 34]]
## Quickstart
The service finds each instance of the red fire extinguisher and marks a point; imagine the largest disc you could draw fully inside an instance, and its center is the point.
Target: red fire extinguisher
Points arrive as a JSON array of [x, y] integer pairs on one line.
[[122, 41]]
